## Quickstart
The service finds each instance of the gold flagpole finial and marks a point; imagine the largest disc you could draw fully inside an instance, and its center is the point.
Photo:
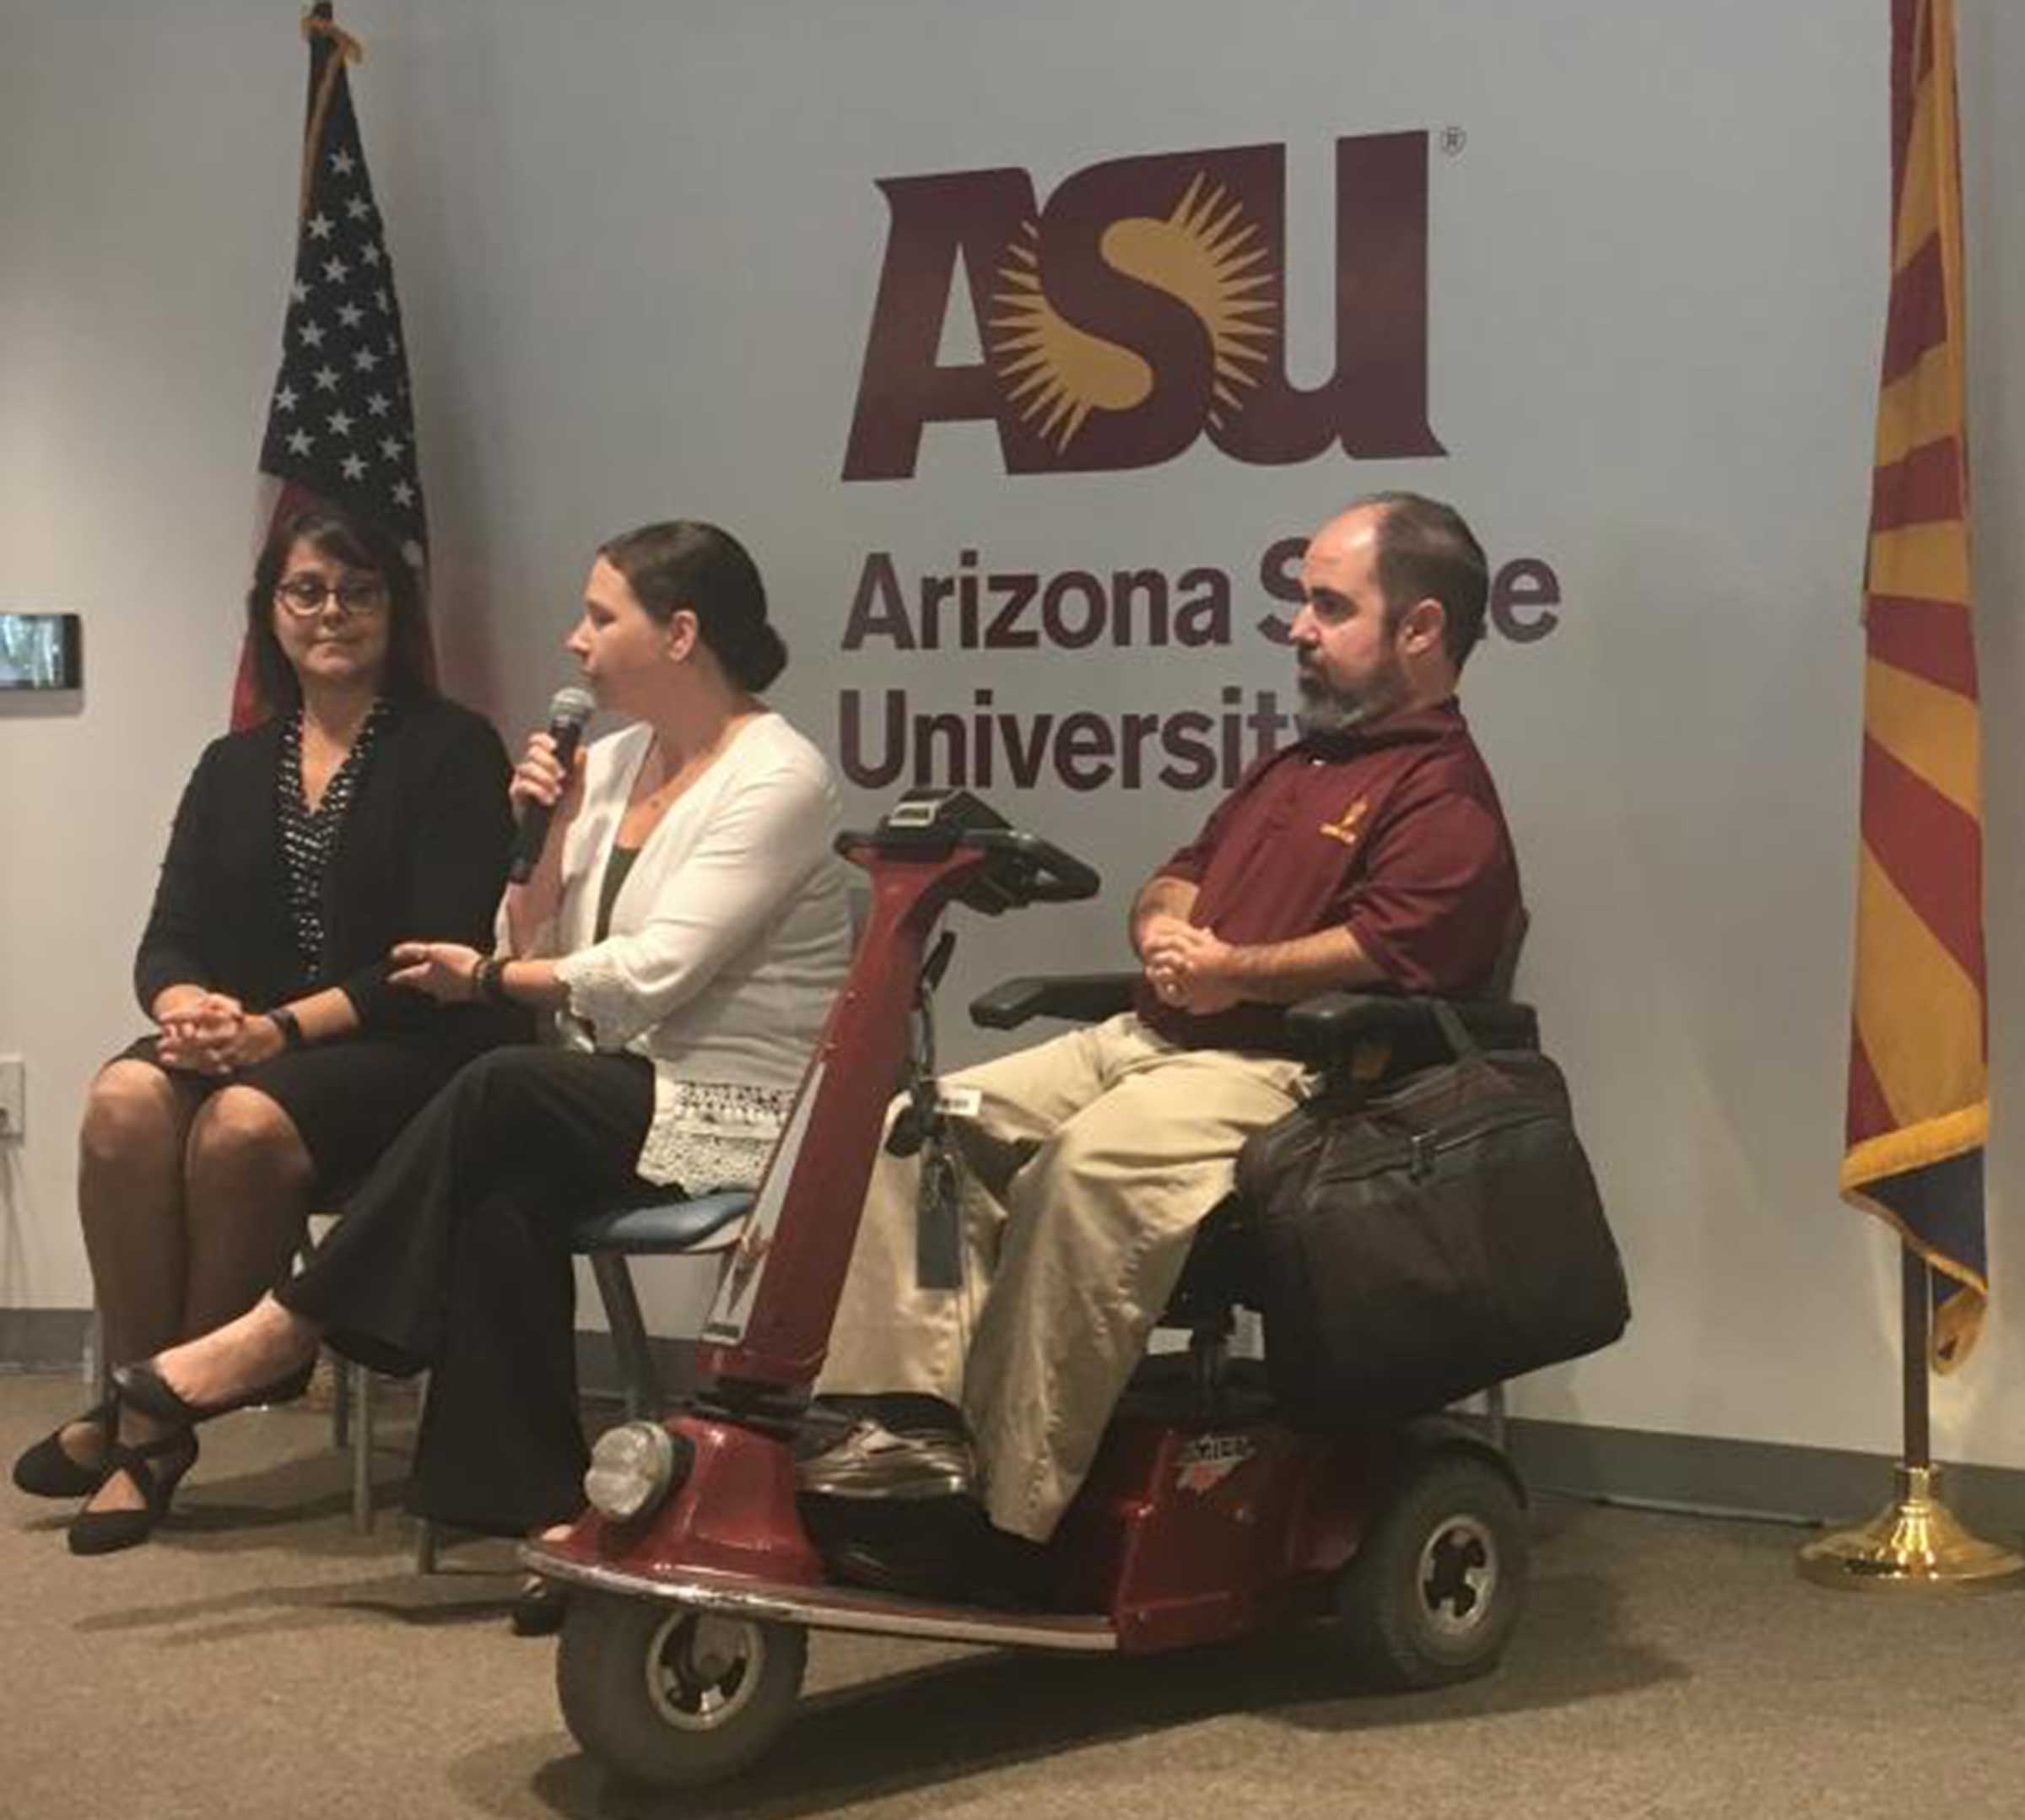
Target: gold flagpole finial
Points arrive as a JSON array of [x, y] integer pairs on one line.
[[348, 47], [348, 50]]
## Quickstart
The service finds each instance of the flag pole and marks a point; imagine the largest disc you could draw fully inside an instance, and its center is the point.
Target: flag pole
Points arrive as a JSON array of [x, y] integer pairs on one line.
[[1915, 1298], [1918, 1110], [1915, 1540], [340, 419]]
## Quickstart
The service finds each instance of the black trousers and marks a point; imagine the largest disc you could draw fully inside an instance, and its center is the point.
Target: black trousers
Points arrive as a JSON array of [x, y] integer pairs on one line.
[[454, 1255]]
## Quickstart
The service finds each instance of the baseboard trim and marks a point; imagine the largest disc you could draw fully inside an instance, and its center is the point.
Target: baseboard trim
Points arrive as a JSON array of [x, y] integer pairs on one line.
[[44, 1339], [1759, 1480], [597, 1373], [57, 1340]]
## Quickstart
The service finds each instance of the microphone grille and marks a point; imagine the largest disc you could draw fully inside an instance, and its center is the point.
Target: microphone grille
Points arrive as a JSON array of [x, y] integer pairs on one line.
[[571, 707]]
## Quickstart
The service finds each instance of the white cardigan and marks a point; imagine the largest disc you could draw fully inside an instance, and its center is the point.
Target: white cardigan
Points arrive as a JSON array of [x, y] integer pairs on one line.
[[729, 938]]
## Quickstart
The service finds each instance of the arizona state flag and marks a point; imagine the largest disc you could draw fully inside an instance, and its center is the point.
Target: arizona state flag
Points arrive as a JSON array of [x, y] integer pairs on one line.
[[1918, 1107]]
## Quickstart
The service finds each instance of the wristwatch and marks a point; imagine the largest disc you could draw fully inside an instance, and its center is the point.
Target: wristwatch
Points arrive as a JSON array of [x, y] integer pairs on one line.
[[284, 1021]]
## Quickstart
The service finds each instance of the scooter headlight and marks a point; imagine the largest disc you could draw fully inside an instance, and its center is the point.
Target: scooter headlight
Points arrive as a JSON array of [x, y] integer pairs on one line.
[[632, 1468]]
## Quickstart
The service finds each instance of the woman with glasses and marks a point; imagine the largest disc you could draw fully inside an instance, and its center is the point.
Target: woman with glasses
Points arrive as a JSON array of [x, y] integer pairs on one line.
[[365, 810]]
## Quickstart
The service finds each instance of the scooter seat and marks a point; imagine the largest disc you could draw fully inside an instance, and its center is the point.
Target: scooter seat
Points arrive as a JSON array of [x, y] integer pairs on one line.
[[661, 1226]]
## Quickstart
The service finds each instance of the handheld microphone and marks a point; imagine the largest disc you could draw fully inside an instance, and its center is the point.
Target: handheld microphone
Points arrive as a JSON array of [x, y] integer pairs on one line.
[[567, 712]]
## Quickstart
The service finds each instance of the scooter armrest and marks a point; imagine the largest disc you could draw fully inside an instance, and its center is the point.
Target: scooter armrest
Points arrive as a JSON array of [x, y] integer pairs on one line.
[[1324, 1029], [1080, 997]]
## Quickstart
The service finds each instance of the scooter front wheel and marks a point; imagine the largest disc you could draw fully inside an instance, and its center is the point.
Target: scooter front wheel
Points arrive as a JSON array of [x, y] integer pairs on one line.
[[669, 1695]]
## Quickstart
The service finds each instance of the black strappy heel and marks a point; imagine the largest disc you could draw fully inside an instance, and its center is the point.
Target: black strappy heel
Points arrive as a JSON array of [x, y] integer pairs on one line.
[[46, 1471], [142, 1387], [107, 1532]]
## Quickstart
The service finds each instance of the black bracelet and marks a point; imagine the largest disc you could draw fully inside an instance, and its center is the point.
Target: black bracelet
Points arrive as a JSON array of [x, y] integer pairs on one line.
[[284, 1021], [487, 984]]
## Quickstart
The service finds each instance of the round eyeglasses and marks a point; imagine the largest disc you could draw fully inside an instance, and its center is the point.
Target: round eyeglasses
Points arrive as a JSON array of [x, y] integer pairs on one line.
[[304, 595]]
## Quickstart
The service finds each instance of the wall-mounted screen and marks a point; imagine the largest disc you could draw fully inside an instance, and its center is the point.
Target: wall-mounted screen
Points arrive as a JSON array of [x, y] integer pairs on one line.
[[41, 650]]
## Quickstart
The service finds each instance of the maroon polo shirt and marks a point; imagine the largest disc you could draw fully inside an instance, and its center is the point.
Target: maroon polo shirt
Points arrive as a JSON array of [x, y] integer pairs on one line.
[[1394, 832]]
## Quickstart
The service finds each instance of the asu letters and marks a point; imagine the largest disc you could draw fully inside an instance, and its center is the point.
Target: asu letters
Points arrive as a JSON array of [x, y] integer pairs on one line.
[[1143, 306]]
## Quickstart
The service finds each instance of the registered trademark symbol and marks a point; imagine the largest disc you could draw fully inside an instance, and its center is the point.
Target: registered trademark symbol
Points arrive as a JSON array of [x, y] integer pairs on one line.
[[1453, 139]]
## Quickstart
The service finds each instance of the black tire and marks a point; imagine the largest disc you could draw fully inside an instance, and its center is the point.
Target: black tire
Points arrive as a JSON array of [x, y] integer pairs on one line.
[[1431, 1596], [665, 1694]]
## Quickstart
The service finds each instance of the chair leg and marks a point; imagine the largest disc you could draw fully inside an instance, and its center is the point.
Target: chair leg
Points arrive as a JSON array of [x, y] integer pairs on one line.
[[1493, 1412], [341, 1404], [426, 1535], [629, 1334], [362, 1448]]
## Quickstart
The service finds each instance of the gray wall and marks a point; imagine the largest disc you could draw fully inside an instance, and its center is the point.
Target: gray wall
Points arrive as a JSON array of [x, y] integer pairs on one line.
[[638, 247]]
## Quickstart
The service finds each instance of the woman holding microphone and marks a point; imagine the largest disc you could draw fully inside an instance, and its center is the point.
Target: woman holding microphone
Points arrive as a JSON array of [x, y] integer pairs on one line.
[[684, 933]]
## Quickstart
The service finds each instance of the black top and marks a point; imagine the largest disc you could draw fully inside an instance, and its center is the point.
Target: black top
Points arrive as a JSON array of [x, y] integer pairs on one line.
[[421, 855], [308, 837], [616, 868]]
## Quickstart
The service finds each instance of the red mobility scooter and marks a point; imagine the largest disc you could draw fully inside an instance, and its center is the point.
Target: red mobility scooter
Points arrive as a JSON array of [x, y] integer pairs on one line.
[[694, 1577]]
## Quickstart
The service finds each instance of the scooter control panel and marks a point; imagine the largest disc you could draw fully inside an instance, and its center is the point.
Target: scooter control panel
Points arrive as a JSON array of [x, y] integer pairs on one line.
[[1022, 868], [942, 814]]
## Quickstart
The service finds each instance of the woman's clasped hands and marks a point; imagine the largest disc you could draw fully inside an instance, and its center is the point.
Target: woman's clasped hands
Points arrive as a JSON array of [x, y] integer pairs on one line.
[[213, 1033]]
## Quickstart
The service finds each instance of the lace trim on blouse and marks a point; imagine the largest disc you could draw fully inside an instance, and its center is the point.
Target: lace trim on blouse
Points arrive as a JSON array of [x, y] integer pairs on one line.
[[718, 1135]]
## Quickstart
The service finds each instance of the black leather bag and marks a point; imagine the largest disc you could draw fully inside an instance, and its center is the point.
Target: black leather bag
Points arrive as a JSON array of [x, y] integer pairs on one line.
[[1421, 1242]]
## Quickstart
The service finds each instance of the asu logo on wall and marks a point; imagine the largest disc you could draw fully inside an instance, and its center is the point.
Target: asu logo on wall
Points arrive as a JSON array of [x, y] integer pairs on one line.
[[1144, 306]]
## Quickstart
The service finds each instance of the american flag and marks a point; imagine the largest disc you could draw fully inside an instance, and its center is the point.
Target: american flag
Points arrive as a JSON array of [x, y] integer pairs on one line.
[[341, 421], [1918, 1099]]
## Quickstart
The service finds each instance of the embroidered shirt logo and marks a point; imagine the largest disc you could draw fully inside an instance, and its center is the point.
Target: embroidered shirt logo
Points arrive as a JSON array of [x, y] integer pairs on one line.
[[1347, 826]]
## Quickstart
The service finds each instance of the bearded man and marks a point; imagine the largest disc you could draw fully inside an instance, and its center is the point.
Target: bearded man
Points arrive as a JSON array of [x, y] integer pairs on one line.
[[1370, 854]]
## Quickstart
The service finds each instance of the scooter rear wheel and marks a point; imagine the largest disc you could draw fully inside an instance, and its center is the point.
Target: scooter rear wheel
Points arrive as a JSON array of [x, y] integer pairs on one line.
[[669, 1695], [1432, 1595]]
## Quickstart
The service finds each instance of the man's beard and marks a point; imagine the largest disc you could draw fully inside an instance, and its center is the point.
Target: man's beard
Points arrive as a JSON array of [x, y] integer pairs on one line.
[[1326, 710]]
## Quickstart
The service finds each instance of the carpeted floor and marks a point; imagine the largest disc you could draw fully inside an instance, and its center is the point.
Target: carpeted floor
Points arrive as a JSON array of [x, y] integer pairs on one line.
[[257, 1659]]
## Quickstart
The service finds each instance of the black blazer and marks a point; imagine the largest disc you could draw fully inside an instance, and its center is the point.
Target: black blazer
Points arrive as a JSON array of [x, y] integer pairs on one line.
[[422, 854]]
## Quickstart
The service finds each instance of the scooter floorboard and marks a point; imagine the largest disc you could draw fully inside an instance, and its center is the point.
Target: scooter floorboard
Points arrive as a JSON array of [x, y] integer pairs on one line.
[[833, 1608]]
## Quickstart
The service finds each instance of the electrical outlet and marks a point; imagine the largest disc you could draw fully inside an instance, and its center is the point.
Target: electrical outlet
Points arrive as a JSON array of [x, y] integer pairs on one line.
[[14, 1097]]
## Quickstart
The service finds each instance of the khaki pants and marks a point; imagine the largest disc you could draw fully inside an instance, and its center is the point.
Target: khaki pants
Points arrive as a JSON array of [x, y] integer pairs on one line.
[[1085, 1170]]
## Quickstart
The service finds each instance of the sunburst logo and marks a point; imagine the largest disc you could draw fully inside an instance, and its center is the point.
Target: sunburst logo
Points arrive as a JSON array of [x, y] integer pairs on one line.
[[1142, 305], [1204, 253]]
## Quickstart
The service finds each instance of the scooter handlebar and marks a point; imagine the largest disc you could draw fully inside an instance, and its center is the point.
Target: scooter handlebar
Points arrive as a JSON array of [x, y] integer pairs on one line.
[[1030, 870], [1049, 876]]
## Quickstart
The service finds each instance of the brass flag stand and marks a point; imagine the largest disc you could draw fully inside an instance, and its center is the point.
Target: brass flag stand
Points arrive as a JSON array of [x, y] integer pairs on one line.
[[1915, 1539]]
